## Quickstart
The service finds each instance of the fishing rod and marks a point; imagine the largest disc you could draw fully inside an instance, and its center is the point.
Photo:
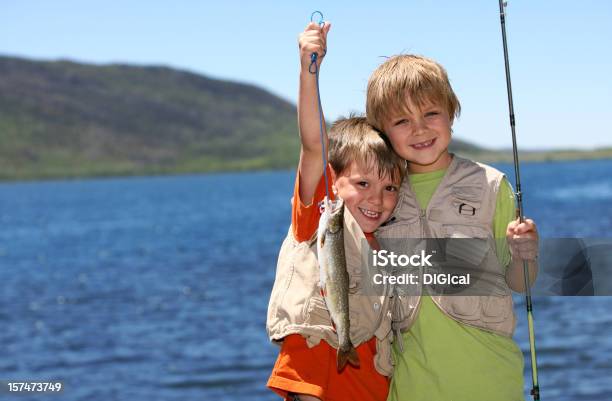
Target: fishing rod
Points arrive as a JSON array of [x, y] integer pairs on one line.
[[313, 68], [535, 390]]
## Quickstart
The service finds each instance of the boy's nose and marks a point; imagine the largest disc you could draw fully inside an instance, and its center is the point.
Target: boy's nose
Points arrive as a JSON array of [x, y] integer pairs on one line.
[[376, 198], [420, 126]]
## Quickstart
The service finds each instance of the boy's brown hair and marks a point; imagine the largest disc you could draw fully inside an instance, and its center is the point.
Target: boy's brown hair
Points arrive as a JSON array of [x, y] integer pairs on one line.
[[419, 78], [353, 139]]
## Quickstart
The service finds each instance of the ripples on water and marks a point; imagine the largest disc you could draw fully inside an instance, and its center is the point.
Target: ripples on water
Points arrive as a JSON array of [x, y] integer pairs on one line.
[[157, 288]]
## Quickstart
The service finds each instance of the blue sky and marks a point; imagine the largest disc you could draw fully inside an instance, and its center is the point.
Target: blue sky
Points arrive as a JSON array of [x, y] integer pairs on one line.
[[559, 52]]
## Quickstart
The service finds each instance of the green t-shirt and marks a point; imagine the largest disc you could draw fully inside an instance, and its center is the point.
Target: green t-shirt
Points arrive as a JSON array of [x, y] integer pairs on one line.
[[444, 360]]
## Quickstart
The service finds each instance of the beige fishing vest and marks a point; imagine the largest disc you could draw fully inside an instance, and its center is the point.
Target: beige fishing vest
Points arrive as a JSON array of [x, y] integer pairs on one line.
[[297, 307], [463, 206]]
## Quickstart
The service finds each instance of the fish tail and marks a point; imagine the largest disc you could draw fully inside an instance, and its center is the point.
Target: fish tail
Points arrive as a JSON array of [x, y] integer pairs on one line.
[[347, 355]]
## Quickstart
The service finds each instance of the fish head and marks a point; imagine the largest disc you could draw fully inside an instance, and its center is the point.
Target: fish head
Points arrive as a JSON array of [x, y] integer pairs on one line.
[[336, 220]]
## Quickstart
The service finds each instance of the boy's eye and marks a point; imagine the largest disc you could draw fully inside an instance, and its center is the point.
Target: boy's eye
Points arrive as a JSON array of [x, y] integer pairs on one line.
[[400, 122], [432, 113], [363, 184], [391, 188]]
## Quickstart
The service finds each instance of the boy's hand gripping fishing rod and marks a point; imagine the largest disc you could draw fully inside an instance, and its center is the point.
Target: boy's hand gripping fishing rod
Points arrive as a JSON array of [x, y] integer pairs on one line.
[[535, 391]]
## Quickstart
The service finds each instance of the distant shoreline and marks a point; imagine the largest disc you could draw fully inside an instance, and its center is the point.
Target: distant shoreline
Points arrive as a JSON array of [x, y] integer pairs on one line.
[[542, 156], [117, 170]]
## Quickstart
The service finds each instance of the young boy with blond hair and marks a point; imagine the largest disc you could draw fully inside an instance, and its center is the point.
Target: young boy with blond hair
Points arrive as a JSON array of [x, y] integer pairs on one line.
[[456, 348], [365, 173]]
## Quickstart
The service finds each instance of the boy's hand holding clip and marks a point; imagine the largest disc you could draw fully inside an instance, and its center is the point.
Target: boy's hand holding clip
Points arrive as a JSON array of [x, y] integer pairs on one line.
[[313, 40]]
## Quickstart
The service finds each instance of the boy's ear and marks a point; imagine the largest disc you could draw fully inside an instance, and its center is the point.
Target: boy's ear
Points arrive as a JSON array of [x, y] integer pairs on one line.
[[333, 174], [333, 179]]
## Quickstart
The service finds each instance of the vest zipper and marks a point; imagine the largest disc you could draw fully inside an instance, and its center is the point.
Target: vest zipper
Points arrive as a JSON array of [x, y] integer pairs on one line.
[[422, 215]]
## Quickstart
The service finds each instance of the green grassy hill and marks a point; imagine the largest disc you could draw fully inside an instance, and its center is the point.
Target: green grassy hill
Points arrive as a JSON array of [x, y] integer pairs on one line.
[[61, 119], [66, 119]]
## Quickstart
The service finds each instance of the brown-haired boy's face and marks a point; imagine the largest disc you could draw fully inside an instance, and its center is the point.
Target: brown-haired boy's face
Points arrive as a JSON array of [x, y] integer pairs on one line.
[[369, 198], [421, 136]]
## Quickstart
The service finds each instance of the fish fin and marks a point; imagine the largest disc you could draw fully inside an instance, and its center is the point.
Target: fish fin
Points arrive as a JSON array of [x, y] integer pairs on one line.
[[350, 355], [322, 239]]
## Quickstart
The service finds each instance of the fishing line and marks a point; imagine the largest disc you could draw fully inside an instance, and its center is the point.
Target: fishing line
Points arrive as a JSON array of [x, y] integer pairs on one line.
[[535, 391], [313, 68]]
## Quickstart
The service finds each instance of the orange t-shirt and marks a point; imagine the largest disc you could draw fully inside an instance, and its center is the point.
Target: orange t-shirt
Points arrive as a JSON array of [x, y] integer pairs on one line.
[[303, 370]]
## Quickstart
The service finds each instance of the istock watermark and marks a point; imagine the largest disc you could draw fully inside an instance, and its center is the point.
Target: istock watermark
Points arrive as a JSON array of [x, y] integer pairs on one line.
[[477, 267], [385, 258]]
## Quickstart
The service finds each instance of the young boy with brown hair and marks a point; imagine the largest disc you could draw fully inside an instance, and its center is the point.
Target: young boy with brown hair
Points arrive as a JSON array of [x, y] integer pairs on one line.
[[365, 173], [456, 348]]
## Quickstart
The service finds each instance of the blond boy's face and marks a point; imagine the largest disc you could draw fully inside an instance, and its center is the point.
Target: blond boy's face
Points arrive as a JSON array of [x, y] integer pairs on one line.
[[421, 136], [369, 198]]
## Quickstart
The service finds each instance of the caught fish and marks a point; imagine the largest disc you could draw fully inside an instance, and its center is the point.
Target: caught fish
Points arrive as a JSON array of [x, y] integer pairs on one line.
[[335, 279]]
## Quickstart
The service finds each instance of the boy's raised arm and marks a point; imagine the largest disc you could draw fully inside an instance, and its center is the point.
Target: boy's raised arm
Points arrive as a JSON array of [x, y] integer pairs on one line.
[[310, 168]]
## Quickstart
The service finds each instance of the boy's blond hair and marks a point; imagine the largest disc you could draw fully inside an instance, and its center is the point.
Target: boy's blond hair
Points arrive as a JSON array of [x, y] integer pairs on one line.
[[419, 78], [353, 139]]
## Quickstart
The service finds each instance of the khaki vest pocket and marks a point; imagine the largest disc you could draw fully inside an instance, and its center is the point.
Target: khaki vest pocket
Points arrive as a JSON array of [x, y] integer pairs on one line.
[[317, 313], [472, 193], [354, 282], [468, 243], [496, 309], [464, 308]]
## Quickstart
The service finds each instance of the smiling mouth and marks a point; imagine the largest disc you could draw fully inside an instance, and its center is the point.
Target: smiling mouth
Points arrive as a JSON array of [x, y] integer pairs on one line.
[[424, 145], [369, 213]]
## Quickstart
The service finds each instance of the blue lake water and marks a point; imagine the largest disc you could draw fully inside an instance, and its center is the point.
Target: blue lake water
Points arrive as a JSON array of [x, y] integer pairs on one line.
[[156, 288]]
